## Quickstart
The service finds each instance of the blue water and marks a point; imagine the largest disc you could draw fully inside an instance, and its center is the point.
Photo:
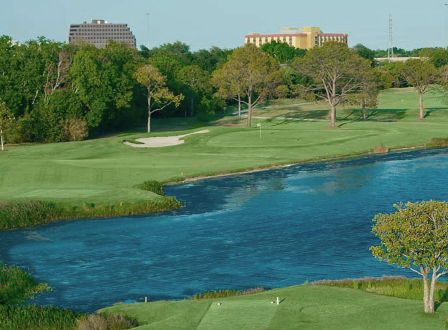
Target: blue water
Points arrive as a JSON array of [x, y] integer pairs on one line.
[[274, 228]]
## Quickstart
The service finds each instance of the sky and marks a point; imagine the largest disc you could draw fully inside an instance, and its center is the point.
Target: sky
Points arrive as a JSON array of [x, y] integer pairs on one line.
[[203, 24]]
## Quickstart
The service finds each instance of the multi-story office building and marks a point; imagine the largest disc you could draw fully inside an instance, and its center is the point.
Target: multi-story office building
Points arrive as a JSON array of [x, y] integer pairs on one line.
[[99, 32], [308, 38]]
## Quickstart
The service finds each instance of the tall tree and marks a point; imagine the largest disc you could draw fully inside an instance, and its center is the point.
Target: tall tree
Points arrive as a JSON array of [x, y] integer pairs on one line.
[[335, 72], [157, 94], [229, 81], [250, 75], [415, 237], [6, 119], [419, 74]]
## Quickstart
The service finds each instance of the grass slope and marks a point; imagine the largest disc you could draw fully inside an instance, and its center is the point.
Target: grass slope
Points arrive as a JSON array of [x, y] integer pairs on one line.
[[303, 307], [104, 171]]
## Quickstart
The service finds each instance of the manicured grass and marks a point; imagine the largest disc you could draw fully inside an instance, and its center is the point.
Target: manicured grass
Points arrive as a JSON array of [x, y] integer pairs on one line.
[[105, 171], [302, 307]]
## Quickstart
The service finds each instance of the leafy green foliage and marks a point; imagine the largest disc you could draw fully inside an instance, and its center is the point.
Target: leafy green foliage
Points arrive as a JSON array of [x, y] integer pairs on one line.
[[158, 94], [415, 237], [282, 51], [250, 76], [334, 73]]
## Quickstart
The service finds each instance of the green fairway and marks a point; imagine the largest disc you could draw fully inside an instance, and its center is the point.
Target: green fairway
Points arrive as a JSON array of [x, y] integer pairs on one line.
[[302, 307], [106, 171]]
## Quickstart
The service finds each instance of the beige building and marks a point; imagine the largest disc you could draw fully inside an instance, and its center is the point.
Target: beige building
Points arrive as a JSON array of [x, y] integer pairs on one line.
[[308, 38], [99, 32]]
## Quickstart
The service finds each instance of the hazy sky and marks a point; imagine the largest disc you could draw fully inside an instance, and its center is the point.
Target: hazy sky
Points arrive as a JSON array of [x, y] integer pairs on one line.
[[206, 23]]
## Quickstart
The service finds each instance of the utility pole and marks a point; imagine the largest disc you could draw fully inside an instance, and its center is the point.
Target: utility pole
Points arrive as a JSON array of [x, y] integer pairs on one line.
[[390, 49], [147, 27]]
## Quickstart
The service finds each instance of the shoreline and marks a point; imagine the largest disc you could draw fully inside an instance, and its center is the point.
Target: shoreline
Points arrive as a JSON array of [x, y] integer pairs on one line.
[[137, 209], [286, 165]]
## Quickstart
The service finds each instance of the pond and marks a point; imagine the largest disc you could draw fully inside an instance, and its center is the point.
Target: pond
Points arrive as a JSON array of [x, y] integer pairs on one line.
[[274, 228]]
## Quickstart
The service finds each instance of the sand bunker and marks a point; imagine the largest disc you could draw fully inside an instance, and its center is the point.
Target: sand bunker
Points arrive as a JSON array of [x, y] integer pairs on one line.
[[158, 142]]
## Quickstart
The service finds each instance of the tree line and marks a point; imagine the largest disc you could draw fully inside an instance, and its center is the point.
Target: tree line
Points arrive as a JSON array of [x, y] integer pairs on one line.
[[52, 92]]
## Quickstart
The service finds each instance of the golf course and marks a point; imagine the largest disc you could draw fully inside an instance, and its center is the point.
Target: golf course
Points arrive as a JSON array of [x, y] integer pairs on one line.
[[106, 171], [301, 307]]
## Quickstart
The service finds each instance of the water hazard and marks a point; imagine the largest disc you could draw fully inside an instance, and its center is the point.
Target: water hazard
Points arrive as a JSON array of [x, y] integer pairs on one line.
[[275, 228]]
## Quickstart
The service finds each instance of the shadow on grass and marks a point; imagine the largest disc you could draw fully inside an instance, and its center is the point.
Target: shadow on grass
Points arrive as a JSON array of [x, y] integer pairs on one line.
[[429, 111], [375, 115]]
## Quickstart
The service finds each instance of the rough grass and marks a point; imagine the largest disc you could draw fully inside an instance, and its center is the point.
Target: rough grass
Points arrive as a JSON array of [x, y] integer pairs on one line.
[[29, 213], [34, 317], [400, 287], [106, 172], [308, 307]]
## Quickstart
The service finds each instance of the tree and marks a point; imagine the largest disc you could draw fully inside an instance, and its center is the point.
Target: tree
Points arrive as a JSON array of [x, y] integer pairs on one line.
[[249, 76], [335, 72], [282, 51], [6, 119], [420, 74], [437, 56], [415, 237], [157, 94], [229, 82], [366, 53], [197, 80], [369, 90]]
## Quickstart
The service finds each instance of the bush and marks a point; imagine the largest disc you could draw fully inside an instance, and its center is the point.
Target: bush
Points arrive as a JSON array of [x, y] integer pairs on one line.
[[106, 321], [381, 149], [75, 129], [154, 186]]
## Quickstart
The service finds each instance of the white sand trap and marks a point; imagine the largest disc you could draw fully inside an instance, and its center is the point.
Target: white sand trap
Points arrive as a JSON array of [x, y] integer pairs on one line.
[[158, 142]]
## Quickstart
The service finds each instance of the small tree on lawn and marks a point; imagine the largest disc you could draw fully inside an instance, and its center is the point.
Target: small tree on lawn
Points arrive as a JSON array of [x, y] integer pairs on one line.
[[415, 237], [157, 93], [250, 76], [332, 73], [6, 119], [420, 74]]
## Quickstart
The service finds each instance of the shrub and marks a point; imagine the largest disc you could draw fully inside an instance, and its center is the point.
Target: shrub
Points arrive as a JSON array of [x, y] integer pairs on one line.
[[154, 186], [381, 149], [106, 321], [75, 129]]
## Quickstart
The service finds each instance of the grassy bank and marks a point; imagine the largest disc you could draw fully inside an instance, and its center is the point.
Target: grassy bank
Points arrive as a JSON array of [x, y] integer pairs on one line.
[[302, 307], [29, 213], [106, 172]]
